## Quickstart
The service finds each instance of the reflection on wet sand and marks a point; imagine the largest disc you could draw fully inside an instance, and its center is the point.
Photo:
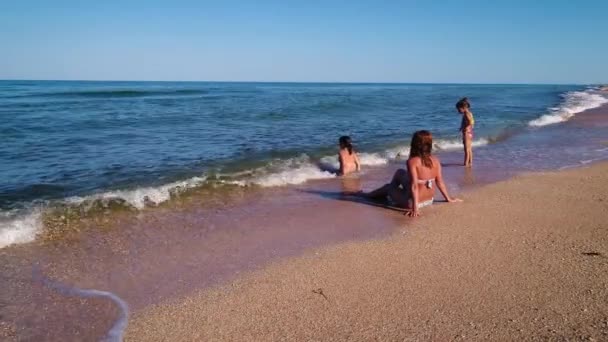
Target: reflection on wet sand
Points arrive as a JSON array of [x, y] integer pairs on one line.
[[468, 177], [351, 183]]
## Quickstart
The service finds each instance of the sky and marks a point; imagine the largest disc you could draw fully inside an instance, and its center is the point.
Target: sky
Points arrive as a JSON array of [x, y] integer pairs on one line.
[[502, 41]]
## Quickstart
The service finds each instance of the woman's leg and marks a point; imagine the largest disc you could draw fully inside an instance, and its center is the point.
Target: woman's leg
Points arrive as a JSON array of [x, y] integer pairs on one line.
[[401, 177], [400, 197]]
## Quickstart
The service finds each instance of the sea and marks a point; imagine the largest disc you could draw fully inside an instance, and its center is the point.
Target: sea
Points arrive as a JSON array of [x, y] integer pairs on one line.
[[77, 144]]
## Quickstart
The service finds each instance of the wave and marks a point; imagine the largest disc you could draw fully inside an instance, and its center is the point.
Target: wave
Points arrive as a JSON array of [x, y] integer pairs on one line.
[[17, 227], [281, 172], [574, 102], [456, 144], [139, 198], [23, 226], [402, 152]]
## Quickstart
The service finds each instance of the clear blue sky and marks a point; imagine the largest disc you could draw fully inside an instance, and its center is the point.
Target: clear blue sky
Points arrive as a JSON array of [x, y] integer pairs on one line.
[[541, 41]]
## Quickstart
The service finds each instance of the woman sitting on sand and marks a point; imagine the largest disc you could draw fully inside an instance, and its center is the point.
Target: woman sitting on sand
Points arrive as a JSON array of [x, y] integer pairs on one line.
[[414, 188], [349, 161]]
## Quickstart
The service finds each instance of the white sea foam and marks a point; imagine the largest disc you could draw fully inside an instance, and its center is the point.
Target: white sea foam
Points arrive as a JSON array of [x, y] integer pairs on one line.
[[19, 228], [140, 197], [400, 152], [574, 102], [293, 176], [286, 172], [23, 227], [372, 159], [403, 152], [455, 144], [301, 169], [116, 331]]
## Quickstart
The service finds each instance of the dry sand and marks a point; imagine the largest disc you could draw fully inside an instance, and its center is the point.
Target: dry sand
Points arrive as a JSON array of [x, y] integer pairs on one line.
[[524, 259]]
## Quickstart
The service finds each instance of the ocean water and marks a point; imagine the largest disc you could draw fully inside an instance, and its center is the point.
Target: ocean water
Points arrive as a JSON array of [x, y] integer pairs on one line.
[[140, 143]]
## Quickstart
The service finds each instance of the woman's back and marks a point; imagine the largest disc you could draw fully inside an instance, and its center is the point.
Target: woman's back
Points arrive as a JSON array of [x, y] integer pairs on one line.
[[426, 176]]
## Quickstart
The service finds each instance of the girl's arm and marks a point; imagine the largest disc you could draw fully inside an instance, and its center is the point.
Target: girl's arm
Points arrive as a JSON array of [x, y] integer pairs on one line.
[[413, 172], [357, 162], [441, 185]]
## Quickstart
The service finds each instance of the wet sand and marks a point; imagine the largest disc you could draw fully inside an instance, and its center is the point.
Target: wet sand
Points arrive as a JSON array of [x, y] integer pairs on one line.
[[168, 252], [523, 259], [165, 253]]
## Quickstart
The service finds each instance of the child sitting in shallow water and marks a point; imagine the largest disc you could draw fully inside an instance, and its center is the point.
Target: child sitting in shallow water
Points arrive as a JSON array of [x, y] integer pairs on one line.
[[349, 161]]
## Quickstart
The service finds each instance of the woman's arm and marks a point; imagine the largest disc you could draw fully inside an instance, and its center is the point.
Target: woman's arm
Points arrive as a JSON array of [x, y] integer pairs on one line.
[[341, 160], [441, 184], [413, 172], [357, 163]]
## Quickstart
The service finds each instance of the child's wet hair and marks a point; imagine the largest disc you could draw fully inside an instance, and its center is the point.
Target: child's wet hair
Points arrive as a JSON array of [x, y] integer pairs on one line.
[[463, 103], [346, 142]]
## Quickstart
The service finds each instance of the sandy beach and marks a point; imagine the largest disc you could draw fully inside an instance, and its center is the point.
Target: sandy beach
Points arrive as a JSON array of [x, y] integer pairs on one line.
[[523, 259]]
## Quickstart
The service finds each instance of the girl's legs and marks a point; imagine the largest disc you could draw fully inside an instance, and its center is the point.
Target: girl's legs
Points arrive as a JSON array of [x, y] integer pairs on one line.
[[468, 152]]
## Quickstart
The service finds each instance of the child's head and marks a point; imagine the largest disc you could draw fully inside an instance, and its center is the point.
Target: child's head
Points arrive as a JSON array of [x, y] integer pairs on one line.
[[346, 142], [463, 105]]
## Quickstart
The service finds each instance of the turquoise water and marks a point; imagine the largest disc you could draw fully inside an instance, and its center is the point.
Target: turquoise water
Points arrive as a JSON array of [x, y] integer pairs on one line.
[[140, 141]]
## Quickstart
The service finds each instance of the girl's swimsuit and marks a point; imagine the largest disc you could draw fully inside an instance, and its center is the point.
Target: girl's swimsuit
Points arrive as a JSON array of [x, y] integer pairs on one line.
[[429, 184], [469, 131]]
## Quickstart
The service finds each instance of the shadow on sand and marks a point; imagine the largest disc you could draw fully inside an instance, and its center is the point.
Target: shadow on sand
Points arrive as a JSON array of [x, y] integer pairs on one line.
[[341, 196]]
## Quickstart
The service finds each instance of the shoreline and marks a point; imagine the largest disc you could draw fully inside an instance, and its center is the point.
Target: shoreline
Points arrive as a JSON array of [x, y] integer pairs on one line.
[[507, 273], [28, 217]]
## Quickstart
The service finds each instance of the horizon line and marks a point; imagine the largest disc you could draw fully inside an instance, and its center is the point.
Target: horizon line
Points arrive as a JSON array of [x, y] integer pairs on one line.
[[292, 82]]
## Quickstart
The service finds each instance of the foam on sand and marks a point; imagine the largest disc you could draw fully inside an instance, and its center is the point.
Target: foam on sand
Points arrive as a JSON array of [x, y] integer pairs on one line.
[[116, 332], [17, 229]]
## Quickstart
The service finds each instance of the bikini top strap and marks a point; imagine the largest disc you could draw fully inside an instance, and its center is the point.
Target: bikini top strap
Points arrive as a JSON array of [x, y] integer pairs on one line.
[[427, 182]]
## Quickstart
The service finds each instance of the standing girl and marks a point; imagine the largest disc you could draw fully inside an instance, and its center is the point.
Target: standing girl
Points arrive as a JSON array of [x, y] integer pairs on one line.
[[466, 128]]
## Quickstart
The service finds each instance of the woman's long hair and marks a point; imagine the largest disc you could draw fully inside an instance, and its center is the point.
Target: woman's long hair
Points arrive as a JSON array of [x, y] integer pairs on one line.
[[422, 146], [346, 142]]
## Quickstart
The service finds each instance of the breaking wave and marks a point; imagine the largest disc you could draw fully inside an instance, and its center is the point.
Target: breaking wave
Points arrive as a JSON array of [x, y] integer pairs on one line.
[[574, 102]]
